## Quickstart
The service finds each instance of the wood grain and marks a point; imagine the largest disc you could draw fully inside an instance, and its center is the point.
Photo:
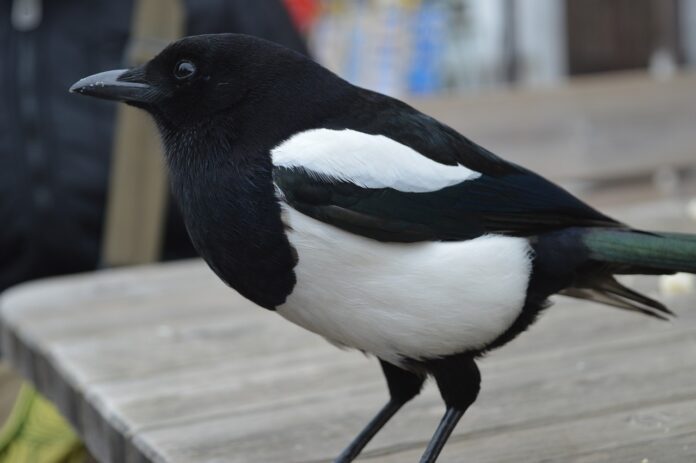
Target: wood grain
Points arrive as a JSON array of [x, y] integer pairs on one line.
[[166, 364], [598, 128]]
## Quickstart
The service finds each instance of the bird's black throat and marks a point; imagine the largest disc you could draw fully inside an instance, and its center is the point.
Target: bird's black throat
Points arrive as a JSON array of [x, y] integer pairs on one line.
[[226, 194], [222, 177]]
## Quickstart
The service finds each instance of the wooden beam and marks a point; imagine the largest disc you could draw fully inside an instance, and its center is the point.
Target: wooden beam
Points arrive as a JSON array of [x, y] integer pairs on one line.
[[137, 199]]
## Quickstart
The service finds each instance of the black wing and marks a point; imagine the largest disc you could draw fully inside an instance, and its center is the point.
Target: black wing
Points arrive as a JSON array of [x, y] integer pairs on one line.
[[505, 199]]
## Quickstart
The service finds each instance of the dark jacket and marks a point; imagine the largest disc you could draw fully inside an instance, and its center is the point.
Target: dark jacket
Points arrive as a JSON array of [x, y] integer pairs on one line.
[[55, 148]]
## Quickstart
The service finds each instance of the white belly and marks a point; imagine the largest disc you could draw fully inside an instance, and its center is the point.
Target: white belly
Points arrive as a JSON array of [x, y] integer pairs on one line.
[[396, 300]]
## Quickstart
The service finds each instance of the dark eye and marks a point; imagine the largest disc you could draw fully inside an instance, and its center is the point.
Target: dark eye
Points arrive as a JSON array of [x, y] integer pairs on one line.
[[184, 69]]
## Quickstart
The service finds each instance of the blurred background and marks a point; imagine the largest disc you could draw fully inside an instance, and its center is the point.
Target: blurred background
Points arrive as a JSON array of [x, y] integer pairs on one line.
[[425, 47], [598, 95]]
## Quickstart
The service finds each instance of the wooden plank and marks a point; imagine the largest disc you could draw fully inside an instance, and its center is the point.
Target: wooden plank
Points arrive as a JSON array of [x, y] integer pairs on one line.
[[654, 433], [627, 124], [138, 190], [515, 385], [189, 399], [166, 364]]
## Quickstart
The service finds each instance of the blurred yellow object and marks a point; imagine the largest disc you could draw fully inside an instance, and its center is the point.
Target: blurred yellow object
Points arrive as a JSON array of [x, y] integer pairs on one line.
[[677, 285], [36, 433]]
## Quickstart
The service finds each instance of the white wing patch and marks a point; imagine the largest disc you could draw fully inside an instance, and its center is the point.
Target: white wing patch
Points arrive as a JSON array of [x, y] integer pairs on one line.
[[369, 161]]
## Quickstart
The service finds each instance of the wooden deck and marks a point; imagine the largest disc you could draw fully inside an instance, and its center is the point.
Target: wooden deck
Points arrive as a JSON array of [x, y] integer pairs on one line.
[[601, 127], [164, 364]]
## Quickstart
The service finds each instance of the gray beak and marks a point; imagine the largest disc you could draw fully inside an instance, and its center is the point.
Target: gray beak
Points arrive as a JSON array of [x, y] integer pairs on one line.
[[107, 85]]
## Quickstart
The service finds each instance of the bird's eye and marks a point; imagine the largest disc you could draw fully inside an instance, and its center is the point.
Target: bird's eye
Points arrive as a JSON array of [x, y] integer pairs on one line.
[[184, 69]]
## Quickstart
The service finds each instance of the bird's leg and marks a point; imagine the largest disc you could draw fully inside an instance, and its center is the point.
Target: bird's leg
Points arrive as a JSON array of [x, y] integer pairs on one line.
[[459, 381], [403, 386]]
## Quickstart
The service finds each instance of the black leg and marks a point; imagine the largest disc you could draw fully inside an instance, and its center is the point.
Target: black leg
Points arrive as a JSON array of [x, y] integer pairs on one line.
[[403, 386], [366, 435], [459, 381], [444, 429]]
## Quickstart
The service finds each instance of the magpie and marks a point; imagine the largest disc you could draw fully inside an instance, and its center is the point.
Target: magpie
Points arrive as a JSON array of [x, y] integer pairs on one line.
[[361, 219]]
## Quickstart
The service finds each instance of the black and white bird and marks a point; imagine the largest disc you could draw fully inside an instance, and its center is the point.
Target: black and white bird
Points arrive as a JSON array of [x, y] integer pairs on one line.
[[369, 223]]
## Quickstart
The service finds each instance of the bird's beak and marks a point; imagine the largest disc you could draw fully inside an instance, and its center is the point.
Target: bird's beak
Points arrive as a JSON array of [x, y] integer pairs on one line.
[[121, 85]]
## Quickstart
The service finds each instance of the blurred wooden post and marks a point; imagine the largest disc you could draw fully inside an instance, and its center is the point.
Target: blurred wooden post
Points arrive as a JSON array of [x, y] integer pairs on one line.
[[137, 199], [666, 28], [510, 55]]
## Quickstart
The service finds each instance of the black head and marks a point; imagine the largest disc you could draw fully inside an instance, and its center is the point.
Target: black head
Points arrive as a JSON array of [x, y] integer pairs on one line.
[[220, 102], [198, 79]]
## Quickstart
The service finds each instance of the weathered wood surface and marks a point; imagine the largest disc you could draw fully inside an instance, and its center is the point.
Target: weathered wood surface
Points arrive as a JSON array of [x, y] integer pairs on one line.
[[627, 124], [165, 364]]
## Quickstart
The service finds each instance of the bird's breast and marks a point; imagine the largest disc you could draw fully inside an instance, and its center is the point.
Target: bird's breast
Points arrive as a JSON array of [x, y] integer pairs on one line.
[[234, 221], [396, 300]]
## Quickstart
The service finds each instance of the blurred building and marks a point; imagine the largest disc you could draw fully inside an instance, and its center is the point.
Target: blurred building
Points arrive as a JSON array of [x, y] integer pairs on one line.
[[429, 46], [688, 29]]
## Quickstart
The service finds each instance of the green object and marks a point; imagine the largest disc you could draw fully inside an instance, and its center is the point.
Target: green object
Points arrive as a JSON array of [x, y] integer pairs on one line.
[[659, 251], [36, 433]]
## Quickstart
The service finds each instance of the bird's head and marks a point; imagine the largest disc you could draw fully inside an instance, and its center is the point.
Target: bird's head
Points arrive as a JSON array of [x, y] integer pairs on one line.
[[199, 79]]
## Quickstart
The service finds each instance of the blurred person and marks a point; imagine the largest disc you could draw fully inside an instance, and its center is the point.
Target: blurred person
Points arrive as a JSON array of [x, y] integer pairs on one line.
[[53, 174]]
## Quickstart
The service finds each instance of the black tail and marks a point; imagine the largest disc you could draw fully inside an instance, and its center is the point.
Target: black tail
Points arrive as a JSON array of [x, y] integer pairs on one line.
[[641, 251], [604, 289], [621, 251]]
